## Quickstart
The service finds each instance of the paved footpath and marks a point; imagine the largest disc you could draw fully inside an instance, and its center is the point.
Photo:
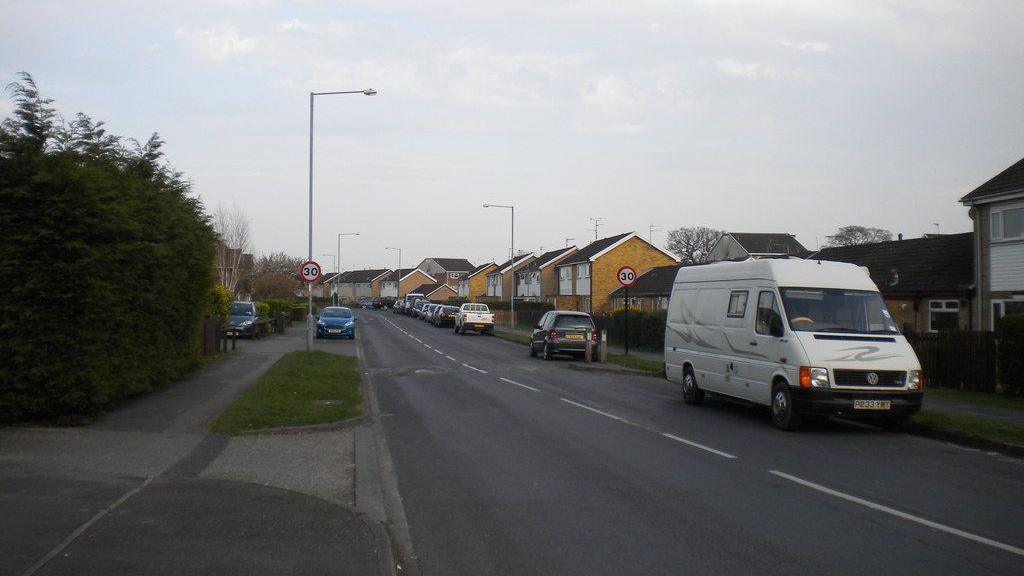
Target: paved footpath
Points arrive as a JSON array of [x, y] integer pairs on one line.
[[148, 490]]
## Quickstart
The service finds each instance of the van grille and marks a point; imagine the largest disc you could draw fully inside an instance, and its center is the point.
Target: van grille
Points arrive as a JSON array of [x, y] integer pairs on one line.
[[886, 378]]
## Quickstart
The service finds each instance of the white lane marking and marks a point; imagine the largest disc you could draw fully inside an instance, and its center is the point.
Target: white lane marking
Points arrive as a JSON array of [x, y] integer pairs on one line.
[[418, 340], [518, 384], [450, 358], [696, 445], [429, 346], [596, 411], [898, 514], [474, 368], [438, 351]]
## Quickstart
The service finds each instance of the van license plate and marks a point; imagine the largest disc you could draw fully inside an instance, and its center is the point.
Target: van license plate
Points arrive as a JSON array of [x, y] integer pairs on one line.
[[872, 404]]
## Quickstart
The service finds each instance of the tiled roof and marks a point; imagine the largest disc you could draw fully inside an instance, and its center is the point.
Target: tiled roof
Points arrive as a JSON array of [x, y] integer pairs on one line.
[[330, 277], [655, 282], [935, 264], [360, 276], [584, 254], [507, 263], [403, 273], [1007, 181], [760, 243], [548, 257], [454, 264], [476, 270]]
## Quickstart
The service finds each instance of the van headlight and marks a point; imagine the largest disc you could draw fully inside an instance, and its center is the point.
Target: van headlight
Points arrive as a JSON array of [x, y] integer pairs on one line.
[[813, 377], [915, 381]]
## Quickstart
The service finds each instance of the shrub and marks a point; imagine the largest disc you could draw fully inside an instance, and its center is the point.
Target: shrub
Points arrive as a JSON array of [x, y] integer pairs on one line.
[[275, 307], [646, 329], [1010, 354], [106, 265], [263, 310], [218, 304]]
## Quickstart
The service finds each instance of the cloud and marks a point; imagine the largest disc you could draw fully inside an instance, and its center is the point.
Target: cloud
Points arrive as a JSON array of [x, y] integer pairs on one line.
[[812, 46], [759, 71], [215, 44]]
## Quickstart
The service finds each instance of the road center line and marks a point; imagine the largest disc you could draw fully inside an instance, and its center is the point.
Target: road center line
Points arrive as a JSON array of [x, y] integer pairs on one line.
[[701, 446], [418, 340], [898, 514], [596, 411], [474, 368], [518, 384], [450, 358], [438, 351], [429, 346]]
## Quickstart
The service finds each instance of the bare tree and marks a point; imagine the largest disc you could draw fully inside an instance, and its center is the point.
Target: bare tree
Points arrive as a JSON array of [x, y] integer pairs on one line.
[[854, 235], [693, 245], [274, 276], [232, 228]]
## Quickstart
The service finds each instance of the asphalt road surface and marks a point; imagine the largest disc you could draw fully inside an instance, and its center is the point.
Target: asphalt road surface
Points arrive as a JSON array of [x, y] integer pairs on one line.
[[513, 465]]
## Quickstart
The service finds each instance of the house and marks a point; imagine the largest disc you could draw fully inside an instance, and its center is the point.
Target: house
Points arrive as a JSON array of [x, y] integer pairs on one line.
[[927, 283], [537, 281], [327, 285], [743, 245], [473, 284], [499, 280], [446, 270], [997, 209], [436, 291], [651, 291], [398, 283], [355, 284], [587, 277]]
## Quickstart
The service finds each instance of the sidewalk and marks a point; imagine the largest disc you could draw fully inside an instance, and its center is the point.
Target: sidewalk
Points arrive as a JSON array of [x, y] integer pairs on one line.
[[942, 405]]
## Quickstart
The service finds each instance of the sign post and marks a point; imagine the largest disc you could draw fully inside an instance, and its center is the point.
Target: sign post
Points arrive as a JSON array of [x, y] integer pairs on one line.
[[309, 272], [627, 276]]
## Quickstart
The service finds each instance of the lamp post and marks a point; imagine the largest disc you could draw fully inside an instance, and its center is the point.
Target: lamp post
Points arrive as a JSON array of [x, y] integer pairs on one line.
[[512, 250], [309, 288], [338, 260], [398, 273]]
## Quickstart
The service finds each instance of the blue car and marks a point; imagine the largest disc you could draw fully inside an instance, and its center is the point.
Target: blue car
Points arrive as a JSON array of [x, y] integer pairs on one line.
[[242, 318], [336, 322]]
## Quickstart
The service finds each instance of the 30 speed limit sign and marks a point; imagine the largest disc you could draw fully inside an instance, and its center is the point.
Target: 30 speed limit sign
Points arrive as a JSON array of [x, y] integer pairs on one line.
[[627, 276], [309, 271]]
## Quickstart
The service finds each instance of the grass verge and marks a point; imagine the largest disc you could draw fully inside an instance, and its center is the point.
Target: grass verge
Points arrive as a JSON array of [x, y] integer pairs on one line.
[[976, 398], [516, 336], [978, 428], [300, 389], [651, 367]]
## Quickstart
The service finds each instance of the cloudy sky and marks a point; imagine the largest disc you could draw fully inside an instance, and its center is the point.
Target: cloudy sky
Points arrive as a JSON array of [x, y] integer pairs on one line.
[[746, 115]]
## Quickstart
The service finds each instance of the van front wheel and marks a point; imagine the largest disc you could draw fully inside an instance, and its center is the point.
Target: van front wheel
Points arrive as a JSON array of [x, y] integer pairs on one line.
[[692, 394], [784, 414]]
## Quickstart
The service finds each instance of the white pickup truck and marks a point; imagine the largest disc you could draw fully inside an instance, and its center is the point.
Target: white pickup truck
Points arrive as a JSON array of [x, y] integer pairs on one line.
[[476, 317]]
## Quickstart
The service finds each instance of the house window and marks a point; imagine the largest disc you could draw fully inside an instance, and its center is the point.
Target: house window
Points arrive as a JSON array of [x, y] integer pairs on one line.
[[943, 315], [583, 271], [1002, 308], [1008, 223], [565, 273], [737, 304]]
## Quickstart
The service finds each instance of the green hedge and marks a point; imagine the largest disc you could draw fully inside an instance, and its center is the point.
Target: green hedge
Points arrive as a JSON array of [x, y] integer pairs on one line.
[[646, 329], [275, 307], [218, 304], [105, 266], [1010, 338]]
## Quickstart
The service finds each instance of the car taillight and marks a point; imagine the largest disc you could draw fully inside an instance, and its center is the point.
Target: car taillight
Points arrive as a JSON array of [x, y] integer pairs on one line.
[[553, 336]]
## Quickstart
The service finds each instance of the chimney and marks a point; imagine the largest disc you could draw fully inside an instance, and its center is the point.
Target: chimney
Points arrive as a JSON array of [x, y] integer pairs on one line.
[[899, 236]]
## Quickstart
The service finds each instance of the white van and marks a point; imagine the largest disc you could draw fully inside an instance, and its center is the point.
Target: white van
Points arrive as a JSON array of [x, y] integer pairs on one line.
[[805, 337]]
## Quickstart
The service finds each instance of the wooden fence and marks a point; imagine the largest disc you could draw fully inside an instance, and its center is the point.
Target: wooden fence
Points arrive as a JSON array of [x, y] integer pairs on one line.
[[209, 337], [961, 360]]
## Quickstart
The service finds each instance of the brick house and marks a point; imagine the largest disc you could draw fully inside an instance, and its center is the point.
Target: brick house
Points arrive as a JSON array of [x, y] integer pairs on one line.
[[398, 283], [499, 280], [650, 292], [326, 284], [355, 284], [927, 283], [997, 209], [436, 292], [447, 270], [587, 277], [538, 280], [474, 284], [744, 245]]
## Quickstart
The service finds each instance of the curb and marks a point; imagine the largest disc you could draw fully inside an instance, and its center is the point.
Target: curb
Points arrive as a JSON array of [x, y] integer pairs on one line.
[[325, 427], [611, 368], [961, 439]]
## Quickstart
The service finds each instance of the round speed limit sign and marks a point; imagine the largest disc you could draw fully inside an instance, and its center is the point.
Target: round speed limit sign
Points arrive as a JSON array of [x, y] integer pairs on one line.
[[627, 276], [309, 271]]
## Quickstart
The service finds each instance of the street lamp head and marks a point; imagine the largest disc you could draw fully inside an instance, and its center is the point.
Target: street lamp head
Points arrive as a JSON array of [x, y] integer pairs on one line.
[[370, 92], [487, 205]]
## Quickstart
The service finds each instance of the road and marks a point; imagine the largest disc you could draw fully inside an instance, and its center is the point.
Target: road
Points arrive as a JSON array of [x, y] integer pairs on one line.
[[513, 465]]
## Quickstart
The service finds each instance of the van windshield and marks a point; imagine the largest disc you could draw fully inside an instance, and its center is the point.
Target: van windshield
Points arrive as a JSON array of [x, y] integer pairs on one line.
[[837, 310]]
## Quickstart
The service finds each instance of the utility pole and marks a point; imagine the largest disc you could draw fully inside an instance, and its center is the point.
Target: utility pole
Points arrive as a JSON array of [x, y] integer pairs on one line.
[[597, 223]]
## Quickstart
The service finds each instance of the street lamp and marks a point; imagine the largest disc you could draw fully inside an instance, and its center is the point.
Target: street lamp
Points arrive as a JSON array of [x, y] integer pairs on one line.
[[338, 262], [398, 273], [309, 287], [512, 250]]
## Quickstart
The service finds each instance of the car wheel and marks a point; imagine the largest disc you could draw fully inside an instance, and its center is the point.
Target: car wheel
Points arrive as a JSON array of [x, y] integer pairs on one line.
[[784, 414], [547, 352], [533, 351], [692, 394]]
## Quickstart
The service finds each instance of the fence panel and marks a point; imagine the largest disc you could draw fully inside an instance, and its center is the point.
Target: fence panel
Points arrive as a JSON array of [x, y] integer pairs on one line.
[[961, 360], [209, 336]]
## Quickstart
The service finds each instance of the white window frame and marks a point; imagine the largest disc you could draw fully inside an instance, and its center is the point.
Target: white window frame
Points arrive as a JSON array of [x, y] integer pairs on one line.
[[996, 228], [583, 270], [943, 308], [1002, 304]]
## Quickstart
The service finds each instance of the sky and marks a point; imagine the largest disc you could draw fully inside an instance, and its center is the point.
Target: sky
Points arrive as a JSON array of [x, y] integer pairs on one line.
[[743, 115]]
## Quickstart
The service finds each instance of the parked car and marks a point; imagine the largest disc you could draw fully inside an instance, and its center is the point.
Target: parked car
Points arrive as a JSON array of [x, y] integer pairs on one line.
[[243, 320], [804, 337], [410, 302], [417, 308], [398, 306], [336, 322], [366, 302], [428, 312], [474, 316], [445, 316], [563, 332]]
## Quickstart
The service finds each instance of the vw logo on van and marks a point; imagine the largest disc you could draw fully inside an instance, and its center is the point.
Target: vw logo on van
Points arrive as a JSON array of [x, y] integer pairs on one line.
[[872, 378]]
